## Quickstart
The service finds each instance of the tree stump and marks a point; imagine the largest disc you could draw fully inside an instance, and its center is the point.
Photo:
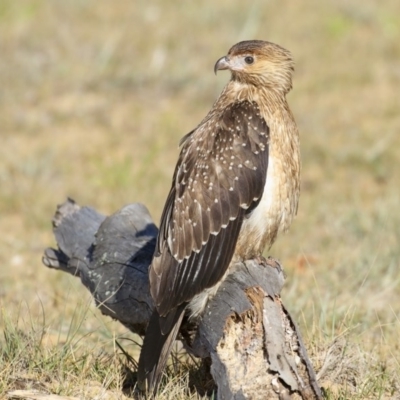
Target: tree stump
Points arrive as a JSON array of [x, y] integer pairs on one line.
[[255, 348]]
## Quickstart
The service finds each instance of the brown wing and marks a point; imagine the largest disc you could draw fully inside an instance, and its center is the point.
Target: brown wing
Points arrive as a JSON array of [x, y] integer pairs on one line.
[[220, 176]]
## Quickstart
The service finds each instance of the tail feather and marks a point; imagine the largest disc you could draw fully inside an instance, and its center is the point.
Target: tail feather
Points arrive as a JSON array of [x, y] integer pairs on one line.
[[157, 345]]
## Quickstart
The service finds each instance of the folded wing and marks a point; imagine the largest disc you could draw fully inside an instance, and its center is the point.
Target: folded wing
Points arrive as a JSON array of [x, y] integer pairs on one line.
[[219, 178]]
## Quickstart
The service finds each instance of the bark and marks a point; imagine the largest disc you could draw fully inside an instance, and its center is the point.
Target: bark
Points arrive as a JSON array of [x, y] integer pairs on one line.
[[255, 348]]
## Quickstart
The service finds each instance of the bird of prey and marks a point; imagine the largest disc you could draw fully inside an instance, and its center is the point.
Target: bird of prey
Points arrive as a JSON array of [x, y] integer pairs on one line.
[[235, 187]]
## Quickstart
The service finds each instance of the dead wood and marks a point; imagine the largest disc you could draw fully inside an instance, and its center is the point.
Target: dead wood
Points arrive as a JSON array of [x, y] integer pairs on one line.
[[255, 348]]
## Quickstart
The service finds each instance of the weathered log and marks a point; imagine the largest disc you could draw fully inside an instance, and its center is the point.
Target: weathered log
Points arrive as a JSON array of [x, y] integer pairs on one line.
[[255, 348]]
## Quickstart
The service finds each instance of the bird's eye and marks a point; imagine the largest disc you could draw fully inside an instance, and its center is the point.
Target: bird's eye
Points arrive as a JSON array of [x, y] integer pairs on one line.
[[249, 60]]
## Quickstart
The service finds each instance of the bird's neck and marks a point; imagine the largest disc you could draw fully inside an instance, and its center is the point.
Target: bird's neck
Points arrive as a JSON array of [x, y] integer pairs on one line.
[[264, 96], [284, 136]]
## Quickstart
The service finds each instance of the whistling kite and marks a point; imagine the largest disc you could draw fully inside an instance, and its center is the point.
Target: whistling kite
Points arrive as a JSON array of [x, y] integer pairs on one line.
[[235, 186]]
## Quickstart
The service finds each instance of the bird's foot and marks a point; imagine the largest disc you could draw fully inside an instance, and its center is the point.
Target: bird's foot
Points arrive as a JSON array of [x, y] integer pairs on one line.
[[269, 262], [261, 260]]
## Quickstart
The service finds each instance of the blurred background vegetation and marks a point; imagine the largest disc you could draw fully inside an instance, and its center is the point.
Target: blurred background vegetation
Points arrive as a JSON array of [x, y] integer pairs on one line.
[[94, 97]]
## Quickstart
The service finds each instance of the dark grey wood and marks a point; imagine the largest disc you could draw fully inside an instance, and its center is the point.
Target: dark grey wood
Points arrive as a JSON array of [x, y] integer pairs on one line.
[[255, 347], [281, 353], [111, 256]]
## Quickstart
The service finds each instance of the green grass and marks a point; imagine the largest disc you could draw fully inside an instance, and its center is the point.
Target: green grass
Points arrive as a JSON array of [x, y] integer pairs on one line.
[[34, 358], [94, 99]]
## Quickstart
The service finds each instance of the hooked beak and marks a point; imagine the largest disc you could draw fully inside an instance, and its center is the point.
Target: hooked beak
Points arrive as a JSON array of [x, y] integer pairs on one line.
[[222, 63]]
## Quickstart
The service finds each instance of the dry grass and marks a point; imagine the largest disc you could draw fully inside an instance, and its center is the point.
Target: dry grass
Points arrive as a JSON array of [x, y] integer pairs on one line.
[[94, 97]]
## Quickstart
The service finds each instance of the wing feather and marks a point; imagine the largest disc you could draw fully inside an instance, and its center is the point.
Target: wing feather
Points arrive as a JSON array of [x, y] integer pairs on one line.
[[219, 177], [196, 216], [216, 216]]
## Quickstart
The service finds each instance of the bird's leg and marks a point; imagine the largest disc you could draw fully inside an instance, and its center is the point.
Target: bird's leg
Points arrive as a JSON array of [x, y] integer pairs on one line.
[[260, 259], [270, 262]]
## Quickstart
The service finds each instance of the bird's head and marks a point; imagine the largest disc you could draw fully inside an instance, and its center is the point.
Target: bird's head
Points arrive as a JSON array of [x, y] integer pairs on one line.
[[259, 63]]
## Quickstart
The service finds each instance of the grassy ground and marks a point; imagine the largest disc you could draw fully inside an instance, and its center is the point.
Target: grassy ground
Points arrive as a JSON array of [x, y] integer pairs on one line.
[[94, 98]]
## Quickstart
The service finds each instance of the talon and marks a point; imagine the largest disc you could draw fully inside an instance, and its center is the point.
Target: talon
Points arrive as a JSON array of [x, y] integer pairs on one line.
[[273, 262], [261, 260], [269, 262]]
